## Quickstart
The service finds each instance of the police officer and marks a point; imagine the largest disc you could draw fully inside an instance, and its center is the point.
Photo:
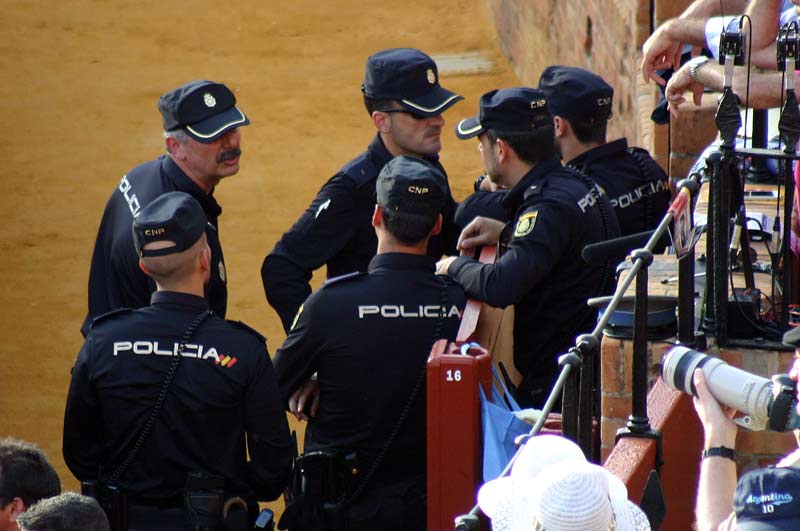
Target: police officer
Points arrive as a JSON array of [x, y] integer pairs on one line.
[[203, 142], [215, 379], [555, 213], [367, 337], [580, 102], [403, 97]]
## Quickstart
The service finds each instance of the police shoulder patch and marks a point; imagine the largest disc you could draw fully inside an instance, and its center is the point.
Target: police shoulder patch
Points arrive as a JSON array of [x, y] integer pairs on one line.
[[525, 224], [240, 325], [108, 315], [340, 278]]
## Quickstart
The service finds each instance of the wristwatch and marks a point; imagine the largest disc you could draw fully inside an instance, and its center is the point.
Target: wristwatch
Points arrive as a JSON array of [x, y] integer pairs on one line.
[[694, 64], [720, 451]]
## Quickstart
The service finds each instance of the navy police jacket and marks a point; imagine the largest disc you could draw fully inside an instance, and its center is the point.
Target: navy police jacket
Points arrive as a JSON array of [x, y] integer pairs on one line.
[[541, 272], [336, 230], [635, 184], [368, 336], [115, 280], [223, 402]]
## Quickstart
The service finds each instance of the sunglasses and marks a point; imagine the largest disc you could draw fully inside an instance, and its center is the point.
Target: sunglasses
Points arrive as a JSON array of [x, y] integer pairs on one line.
[[404, 111]]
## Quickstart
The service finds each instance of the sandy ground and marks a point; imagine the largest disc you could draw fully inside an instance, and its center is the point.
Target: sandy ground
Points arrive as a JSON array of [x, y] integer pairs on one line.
[[80, 84]]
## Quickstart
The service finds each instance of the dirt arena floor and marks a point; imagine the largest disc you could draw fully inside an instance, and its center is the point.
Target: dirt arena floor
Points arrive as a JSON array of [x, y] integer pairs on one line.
[[81, 81]]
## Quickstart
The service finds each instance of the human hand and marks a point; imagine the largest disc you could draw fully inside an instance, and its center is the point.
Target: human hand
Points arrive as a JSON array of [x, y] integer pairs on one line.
[[681, 82], [718, 426], [659, 52], [443, 264], [487, 185], [480, 231], [307, 393]]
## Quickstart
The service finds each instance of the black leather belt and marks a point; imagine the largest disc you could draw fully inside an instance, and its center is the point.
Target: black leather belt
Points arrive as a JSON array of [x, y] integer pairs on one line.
[[151, 518]]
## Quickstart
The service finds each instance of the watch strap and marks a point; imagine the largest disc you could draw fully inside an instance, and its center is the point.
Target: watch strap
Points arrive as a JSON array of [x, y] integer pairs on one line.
[[720, 451]]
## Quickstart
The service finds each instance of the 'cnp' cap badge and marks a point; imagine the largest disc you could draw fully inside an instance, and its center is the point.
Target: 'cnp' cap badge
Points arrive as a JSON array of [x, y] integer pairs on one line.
[[525, 224], [431, 76], [209, 100]]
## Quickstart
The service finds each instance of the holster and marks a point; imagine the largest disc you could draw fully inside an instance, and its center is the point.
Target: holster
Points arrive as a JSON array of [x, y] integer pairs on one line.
[[111, 499], [321, 485]]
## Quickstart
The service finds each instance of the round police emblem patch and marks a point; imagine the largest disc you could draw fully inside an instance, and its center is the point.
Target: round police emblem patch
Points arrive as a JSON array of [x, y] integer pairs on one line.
[[209, 100], [525, 224], [431, 76]]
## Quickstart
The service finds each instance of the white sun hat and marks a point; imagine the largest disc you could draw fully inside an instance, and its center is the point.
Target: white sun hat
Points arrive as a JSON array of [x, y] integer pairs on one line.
[[552, 486]]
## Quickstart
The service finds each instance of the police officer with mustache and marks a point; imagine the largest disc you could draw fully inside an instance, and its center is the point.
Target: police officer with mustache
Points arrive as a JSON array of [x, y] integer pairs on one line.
[[203, 142]]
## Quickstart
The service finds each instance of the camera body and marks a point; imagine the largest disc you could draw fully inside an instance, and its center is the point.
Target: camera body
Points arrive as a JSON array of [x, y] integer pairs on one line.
[[767, 403]]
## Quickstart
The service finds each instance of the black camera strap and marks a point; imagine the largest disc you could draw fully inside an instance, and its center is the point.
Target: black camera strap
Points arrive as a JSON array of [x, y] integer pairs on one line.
[[156, 410], [437, 331]]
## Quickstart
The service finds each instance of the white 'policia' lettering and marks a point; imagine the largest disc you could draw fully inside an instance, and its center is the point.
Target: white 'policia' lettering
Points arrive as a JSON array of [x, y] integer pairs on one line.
[[131, 199], [635, 195], [393, 311], [590, 198], [145, 348]]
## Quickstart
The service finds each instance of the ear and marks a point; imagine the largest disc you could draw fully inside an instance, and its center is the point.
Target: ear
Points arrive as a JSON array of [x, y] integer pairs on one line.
[[144, 268], [382, 121], [560, 126], [501, 146], [377, 217], [438, 227], [173, 147], [17, 508], [205, 258]]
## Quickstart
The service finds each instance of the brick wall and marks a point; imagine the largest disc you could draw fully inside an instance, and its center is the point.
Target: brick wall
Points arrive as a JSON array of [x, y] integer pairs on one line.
[[605, 36]]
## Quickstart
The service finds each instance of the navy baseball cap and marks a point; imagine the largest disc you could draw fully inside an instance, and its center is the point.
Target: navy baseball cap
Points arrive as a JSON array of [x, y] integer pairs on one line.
[[410, 77], [411, 186], [768, 499], [174, 217], [204, 109], [576, 94], [511, 110]]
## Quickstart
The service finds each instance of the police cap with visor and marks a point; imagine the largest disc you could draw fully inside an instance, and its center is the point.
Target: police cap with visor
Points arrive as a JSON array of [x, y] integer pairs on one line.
[[175, 217], [204, 109], [411, 78], [511, 110], [576, 94], [410, 185]]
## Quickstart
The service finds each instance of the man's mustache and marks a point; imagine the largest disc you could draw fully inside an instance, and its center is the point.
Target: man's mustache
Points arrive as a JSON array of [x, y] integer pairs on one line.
[[228, 155]]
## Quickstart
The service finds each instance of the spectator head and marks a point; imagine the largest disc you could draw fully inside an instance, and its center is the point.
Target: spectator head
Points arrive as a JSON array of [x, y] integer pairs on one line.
[[65, 512], [766, 499], [552, 487], [25, 478]]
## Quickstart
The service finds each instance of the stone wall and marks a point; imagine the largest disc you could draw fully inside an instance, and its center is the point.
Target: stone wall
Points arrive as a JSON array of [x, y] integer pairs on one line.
[[605, 36]]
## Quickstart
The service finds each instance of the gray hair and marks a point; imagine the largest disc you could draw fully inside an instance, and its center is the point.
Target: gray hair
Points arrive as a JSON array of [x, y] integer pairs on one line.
[[179, 135], [65, 512]]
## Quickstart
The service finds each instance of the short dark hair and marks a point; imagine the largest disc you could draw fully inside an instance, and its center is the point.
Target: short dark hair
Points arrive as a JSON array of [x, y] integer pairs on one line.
[[373, 104], [25, 473], [406, 227], [587, 132], [532, 147], [65, 512]]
